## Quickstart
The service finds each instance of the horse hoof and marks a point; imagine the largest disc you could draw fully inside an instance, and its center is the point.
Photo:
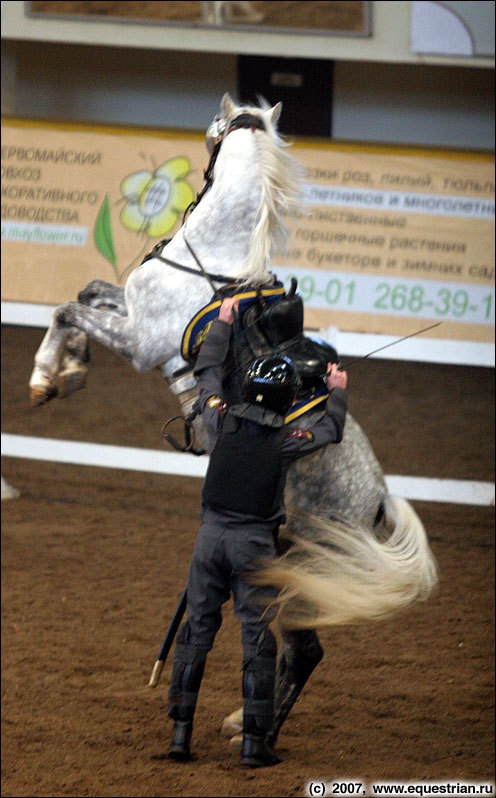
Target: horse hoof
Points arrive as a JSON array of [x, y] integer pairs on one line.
[[41, 394], [41, 387], [233, 724], [235, 743], [70, 381]]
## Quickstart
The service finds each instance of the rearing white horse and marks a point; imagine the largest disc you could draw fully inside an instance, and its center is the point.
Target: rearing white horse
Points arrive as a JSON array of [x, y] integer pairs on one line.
[[231, 230], [333, 574]]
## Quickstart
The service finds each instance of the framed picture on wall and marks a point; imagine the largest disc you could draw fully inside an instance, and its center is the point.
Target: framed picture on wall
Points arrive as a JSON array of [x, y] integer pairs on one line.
[[307, 17]]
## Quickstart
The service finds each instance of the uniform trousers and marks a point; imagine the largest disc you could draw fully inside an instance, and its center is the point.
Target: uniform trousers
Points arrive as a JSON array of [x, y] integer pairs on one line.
[[227, 548]]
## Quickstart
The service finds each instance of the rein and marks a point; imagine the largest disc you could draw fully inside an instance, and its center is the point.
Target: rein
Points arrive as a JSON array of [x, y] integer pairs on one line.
[[204, 273], [156, 253], [242, 121], [208, 178]]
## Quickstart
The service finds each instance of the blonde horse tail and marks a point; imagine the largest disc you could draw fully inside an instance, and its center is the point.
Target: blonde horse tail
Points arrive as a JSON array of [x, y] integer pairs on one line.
[[345, 575]]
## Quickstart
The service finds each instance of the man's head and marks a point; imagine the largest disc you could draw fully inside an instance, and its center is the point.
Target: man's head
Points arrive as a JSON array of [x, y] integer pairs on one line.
[[272, 383]]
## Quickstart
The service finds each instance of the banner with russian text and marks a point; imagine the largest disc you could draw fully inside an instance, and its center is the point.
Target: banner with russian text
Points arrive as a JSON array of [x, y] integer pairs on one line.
[[387, 239]]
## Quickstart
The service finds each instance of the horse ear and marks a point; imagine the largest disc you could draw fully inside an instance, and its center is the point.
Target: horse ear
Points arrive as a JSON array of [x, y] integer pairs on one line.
[[275, 113], [227, 105]]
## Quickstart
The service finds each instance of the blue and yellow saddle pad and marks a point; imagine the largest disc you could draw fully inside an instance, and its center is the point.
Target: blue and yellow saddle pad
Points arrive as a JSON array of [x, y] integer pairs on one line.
[[197, 329], [300, 406]]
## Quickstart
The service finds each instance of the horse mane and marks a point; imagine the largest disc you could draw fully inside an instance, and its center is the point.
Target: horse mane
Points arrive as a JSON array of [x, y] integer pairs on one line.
[[281, 181]]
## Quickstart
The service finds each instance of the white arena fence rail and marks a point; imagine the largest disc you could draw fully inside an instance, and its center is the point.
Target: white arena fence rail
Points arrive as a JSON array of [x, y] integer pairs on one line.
[[421, 348], [456, 491]]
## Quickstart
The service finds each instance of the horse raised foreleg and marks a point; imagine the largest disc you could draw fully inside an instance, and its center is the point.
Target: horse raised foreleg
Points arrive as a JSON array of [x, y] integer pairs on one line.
[[61, 363], [76, 356], [104, 326]]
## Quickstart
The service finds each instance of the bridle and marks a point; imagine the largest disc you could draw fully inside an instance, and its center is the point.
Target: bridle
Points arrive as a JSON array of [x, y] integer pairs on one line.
[[242, 121], [245, 121]]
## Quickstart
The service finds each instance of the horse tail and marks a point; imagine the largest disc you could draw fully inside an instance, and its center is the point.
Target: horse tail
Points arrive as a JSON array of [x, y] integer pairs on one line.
[[344, 574]]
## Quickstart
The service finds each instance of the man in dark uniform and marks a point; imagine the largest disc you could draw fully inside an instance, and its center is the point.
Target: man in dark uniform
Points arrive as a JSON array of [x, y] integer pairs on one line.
[[242, 508]]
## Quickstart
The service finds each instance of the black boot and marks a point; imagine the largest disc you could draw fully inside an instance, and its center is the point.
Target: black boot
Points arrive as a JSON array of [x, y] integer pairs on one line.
[[258, 709], [181, 737], [255, 753], [185, 684]]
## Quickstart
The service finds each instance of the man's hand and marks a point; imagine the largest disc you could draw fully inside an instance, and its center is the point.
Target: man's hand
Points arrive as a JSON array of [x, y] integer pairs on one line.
[[335, 378], [226, 309]]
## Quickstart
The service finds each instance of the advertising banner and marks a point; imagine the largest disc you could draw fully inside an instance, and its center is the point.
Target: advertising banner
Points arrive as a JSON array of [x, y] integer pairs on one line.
[[387, 239]]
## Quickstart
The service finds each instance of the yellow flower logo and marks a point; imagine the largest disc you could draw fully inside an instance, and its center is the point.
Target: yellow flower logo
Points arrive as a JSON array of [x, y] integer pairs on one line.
[[153, 202], [155, 199]]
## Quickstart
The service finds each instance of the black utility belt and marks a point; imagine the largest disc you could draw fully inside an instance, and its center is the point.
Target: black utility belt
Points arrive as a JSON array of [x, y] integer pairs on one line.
[[244, 517]]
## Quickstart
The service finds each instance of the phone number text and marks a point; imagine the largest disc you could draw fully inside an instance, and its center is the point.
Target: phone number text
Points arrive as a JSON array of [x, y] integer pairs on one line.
[[473, 304]]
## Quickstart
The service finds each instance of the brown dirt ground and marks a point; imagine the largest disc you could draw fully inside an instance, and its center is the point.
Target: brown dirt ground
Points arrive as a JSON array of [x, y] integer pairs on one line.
[[94, 561]]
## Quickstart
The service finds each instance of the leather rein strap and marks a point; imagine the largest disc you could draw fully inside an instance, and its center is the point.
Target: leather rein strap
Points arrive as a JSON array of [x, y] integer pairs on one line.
[[251, 122], [218, 278]]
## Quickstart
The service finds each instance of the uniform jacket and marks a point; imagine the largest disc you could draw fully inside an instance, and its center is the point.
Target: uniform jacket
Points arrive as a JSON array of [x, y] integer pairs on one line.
[[296, 442]]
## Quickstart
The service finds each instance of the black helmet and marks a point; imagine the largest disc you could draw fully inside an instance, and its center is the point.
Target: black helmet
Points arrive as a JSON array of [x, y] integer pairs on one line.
[[271, 382]]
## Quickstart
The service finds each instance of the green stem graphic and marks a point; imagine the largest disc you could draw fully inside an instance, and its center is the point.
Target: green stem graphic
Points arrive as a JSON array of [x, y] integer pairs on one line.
[[102, 234]]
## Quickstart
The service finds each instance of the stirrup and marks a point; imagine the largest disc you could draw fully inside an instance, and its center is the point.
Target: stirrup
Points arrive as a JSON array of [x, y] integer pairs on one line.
[[181, 736], [256, 754]]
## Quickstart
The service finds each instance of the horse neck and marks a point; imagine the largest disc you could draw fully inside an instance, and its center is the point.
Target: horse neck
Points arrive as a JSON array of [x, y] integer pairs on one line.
[[225, 224], [221, 231]]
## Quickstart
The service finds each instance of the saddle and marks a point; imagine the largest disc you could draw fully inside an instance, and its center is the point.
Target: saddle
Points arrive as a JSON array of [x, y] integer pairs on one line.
[[270, 322], [278, 328]]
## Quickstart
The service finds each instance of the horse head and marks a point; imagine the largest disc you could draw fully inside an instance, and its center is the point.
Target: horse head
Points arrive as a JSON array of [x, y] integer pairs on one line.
[[246, 148], [233, 116]]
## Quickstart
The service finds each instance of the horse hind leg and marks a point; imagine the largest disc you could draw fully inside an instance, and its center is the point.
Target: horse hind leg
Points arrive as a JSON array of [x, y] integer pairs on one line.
[[301, 653], [300, 656], [232, 725]]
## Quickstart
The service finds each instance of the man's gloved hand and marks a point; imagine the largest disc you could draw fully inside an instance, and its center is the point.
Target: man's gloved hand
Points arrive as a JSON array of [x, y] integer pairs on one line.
[[226, 309], [335, 378]]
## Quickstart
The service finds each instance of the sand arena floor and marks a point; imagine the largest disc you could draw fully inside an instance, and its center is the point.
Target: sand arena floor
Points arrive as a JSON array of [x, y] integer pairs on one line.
[[94, 561]]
